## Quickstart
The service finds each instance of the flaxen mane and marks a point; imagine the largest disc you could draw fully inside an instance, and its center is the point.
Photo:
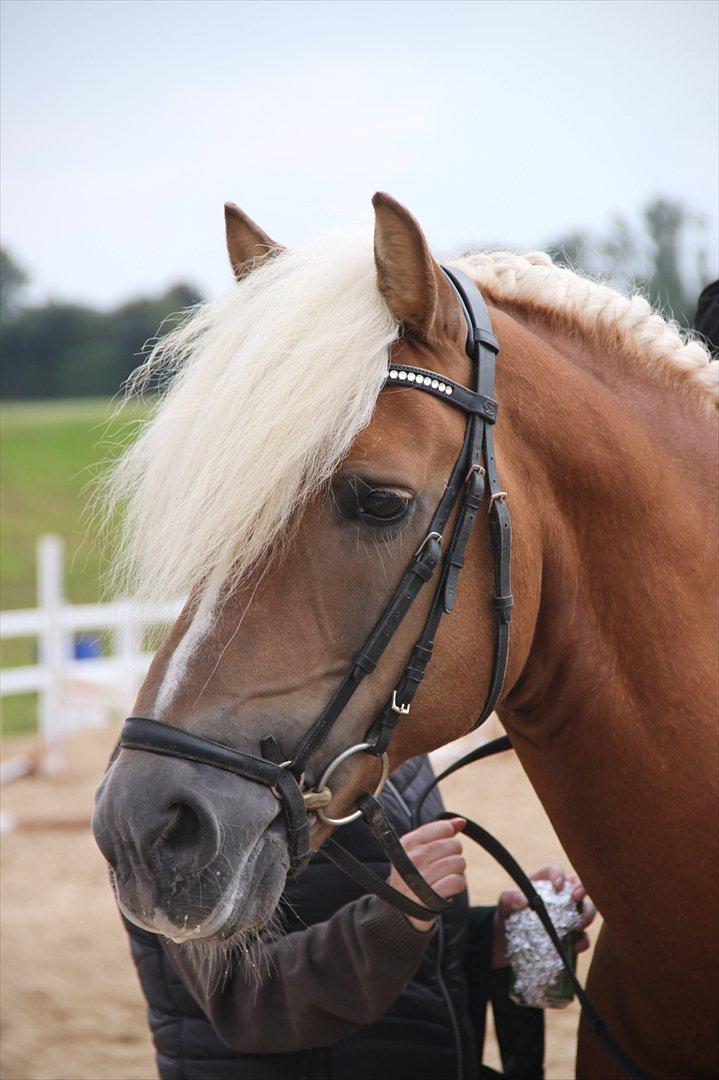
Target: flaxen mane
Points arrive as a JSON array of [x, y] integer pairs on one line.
[[266, 389], [597, 311]]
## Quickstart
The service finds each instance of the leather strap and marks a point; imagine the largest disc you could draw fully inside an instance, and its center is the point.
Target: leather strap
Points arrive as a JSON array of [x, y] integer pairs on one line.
[[506, 860], [431, 903], [419, 571], [385, 835], [153, 737], [420, 379], [371, 882], [500, 534], [384, 724], [496, 746], [479, 458], [465, 526]]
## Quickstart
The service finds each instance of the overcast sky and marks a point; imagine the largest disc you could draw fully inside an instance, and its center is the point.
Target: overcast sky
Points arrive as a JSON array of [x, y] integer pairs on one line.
[[126, 125]]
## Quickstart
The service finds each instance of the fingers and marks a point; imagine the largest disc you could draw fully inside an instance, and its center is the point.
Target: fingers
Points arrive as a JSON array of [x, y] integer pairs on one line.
[[558, 876], [551, 872], [510, 901], [449, 866], [435, 849], [589, 913], [578, 890], [450, 885], [514, 900], [433, 830], [426, 854]]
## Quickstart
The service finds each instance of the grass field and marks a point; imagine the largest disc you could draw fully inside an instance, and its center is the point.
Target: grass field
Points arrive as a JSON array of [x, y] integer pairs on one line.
[[50, 453]]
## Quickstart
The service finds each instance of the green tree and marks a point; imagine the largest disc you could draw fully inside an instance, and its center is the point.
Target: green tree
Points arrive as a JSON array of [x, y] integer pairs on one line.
[[663, 255], [668, 229], [134, 325], [57, 350], [13, 280], [67, 350]]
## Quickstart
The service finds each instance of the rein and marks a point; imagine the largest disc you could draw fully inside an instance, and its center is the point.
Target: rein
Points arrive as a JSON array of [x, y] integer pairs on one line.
[[474, 474]]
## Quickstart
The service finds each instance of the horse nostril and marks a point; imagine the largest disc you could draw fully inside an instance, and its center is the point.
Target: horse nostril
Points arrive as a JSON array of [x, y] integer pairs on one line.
[[189, 837]]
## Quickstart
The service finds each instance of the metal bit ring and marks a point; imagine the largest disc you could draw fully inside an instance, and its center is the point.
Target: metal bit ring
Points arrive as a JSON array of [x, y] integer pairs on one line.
[[331, 768]]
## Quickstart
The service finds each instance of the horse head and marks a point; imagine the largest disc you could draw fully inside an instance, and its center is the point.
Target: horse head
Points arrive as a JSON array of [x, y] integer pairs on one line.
[[285, 484]]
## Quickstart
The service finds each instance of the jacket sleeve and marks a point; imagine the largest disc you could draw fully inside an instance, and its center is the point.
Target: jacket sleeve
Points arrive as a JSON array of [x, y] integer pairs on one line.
[[311, 987]]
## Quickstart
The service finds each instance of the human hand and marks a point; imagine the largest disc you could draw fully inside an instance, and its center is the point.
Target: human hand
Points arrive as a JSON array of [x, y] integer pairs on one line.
[[514, 900], [436, 851]]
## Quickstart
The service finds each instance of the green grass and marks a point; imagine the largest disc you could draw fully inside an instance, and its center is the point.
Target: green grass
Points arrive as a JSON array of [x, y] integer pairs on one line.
[[50, 453]]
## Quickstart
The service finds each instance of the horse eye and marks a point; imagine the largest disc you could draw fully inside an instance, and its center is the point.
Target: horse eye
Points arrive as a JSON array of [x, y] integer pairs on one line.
[[383, 506]]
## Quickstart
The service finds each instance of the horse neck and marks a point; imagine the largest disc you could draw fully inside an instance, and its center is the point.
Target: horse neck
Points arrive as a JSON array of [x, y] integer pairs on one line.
[[612, 712]]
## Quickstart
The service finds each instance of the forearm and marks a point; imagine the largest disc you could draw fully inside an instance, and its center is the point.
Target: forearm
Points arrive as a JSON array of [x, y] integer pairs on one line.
[[316, 986]]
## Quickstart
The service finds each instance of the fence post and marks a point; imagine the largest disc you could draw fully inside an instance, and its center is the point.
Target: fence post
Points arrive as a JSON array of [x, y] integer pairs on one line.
[[127, 642], [54, 650]]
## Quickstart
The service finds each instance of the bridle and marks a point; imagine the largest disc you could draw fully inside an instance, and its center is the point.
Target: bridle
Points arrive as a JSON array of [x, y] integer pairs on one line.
[[473, 476], [474, 469]]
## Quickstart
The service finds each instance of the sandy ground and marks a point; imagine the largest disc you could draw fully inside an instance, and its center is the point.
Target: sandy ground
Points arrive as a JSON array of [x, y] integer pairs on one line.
[[71, 1005]]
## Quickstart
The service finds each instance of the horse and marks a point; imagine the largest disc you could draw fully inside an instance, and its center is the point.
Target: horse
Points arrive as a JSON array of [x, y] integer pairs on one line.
[[282, 485]]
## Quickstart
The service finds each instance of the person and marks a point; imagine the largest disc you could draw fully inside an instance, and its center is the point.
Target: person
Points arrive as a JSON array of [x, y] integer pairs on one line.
[[350, 987]]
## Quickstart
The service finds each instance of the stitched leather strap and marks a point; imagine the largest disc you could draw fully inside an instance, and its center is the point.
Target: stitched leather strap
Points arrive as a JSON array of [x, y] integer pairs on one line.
[[389, 841], [465, 526], [142, 733], [500, 534], [478, 457]]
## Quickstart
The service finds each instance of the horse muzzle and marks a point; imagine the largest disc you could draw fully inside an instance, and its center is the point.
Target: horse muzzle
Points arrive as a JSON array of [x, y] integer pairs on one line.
[[194, 854]]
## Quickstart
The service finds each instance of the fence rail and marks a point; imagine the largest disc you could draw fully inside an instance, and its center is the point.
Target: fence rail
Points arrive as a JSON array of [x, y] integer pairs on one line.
[[75, 692], [30, 622]]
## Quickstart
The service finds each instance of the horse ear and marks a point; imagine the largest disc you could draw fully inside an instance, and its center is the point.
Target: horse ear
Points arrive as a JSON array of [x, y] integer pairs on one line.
[[247, 243], [409, 279]]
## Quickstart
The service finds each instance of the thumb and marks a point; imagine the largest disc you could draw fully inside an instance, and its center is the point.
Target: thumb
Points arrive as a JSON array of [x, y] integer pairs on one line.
[[510, 901]]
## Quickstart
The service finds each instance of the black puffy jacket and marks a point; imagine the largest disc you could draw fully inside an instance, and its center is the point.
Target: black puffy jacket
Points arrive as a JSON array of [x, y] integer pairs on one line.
[[434, 1029]]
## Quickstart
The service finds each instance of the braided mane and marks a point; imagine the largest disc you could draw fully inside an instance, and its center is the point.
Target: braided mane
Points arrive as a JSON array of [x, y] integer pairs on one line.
[[536, 283]]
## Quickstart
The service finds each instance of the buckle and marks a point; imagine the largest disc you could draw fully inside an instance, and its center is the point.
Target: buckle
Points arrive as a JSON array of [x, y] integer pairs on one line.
[[277, 794], [497, 495], [398, 707], [430, 536], [475, 469]]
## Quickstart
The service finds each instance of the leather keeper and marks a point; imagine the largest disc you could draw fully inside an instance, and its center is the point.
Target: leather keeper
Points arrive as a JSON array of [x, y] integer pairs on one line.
[[503, 604]]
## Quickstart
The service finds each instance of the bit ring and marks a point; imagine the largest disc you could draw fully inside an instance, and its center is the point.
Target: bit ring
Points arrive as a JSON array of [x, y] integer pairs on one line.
[[331, 768]]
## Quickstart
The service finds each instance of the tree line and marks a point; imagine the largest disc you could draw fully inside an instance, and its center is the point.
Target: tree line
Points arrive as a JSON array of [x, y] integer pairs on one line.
[[72, 350]]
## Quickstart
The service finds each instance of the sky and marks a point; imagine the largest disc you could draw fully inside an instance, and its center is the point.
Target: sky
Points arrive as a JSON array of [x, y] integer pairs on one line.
[[126, 124]]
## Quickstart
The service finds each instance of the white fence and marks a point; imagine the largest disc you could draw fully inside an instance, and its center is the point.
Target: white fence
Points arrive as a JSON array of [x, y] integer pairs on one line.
[[76, 692]]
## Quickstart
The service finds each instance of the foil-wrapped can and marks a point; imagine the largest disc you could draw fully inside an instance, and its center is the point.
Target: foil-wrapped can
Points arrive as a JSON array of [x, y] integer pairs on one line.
[[538, 976]]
